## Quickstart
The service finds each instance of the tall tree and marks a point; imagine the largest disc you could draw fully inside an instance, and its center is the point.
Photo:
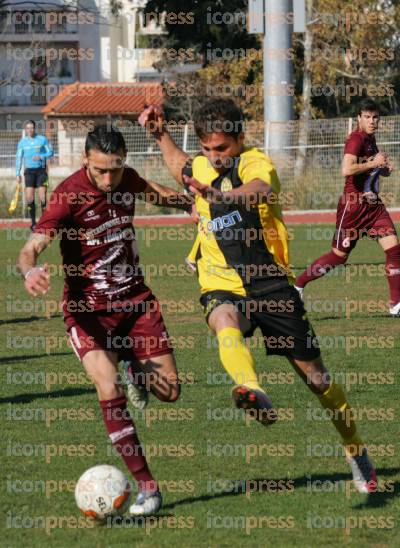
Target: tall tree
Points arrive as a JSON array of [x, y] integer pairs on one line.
[[213, 24], [347, 52], [306, 97], [354, 53]]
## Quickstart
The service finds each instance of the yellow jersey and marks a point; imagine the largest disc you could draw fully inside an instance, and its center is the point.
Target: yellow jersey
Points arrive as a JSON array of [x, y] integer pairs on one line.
[[240, 248]]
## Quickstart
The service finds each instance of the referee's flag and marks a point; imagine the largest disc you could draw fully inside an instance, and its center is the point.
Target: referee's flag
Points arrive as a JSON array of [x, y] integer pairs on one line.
[[14, 201]]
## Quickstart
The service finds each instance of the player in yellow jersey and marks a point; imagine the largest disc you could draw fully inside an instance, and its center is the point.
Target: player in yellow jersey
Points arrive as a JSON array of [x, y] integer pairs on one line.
[[242, 261]]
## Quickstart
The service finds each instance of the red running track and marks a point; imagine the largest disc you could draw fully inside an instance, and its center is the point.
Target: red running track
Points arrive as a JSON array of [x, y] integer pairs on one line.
[[291, 217]]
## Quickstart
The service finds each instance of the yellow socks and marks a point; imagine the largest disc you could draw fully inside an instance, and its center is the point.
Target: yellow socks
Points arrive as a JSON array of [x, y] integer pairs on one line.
[[238, 362], [335, 399], [236, 358]]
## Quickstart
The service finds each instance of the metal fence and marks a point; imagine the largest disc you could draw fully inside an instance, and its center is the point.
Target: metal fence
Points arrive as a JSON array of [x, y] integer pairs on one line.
[[309, 166]]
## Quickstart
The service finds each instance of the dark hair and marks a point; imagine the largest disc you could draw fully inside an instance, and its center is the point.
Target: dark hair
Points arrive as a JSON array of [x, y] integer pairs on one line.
[[105, 138], [30, 122], [218, 115], [368, 105]]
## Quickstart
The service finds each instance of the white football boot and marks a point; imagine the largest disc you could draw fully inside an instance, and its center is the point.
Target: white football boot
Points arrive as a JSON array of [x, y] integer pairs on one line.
[[146, 504], [364, 475], [301, 291], [395, 310], [137, 394]]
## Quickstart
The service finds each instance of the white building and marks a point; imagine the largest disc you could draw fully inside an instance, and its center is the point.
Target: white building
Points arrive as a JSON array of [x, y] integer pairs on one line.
[[45, 45]]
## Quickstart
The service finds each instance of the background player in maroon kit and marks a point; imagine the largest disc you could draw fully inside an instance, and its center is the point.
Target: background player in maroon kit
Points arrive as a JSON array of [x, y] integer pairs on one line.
[[360, 211], [106, 302]]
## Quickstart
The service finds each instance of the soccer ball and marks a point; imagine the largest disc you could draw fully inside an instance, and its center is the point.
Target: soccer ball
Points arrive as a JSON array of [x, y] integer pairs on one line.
[[102, 491]]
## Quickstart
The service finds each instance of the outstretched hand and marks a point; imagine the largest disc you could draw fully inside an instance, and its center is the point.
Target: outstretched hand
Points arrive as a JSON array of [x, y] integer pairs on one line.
[[152, 119], [209, 193]]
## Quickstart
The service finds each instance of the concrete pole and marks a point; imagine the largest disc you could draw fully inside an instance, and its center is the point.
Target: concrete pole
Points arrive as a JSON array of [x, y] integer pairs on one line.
[[278, 73]]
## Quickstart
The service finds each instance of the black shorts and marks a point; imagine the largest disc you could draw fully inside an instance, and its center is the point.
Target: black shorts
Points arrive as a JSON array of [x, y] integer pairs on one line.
[[35, 177], [281, 317]]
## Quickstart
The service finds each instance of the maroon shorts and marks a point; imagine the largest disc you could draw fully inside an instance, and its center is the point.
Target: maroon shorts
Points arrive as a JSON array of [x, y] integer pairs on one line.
[[136, 332], [356, 218]]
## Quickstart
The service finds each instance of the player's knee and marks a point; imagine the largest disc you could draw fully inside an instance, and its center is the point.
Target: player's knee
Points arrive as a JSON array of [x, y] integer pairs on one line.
[[225, 318], [393, 251], [341, 254], [107, 390]]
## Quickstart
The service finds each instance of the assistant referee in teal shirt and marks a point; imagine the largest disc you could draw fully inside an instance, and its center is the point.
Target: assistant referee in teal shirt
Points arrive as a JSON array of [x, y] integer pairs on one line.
[[33, 150]]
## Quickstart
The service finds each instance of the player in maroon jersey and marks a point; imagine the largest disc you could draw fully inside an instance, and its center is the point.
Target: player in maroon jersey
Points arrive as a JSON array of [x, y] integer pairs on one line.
[[360, 211], [109, 312]]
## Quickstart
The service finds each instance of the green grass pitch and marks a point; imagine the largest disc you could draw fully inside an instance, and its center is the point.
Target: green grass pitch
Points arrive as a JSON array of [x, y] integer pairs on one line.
[[225, 482]]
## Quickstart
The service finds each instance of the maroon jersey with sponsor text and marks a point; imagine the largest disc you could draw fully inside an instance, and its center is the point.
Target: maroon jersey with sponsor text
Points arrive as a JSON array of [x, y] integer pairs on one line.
[[97, 239], [363, 146]]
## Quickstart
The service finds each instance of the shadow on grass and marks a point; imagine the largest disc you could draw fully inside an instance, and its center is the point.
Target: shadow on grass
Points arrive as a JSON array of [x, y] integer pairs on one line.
[[358, 317], [327, 318], [13, 359], [29, 319], [134, 521], [301, 268], [381, 498], [65, 393], [251, 486]]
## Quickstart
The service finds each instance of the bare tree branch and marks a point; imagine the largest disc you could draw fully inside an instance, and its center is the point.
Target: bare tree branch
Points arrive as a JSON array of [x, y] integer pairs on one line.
[[352, 76]]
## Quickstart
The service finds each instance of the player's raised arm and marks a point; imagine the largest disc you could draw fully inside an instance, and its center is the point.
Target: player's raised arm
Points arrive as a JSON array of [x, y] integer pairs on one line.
[[161, 195], [152, 118], [37, 278], [254, 192], [260, 184]]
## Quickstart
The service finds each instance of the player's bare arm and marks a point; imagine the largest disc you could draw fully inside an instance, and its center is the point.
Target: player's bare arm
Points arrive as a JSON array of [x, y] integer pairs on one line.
[[255, 192], [37, 278], [152, 118], [351, 167], [160, 195]]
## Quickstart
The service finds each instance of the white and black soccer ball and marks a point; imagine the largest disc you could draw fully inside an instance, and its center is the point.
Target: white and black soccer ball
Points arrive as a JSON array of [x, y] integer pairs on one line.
[[103, 491]]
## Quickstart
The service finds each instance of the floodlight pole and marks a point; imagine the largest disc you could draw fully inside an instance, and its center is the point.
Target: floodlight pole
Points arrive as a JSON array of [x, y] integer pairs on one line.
[[278, 73]]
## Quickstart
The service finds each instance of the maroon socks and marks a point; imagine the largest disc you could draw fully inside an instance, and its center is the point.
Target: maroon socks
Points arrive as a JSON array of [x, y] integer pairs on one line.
[[327, 262], [123, 436], [393, 273], [319, 268]]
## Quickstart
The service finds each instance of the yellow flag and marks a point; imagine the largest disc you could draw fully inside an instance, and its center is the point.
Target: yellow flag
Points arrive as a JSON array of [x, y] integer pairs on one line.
[[14, 201]]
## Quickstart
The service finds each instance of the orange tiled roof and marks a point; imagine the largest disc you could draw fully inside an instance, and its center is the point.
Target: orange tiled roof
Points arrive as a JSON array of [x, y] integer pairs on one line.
[[104, 98]]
